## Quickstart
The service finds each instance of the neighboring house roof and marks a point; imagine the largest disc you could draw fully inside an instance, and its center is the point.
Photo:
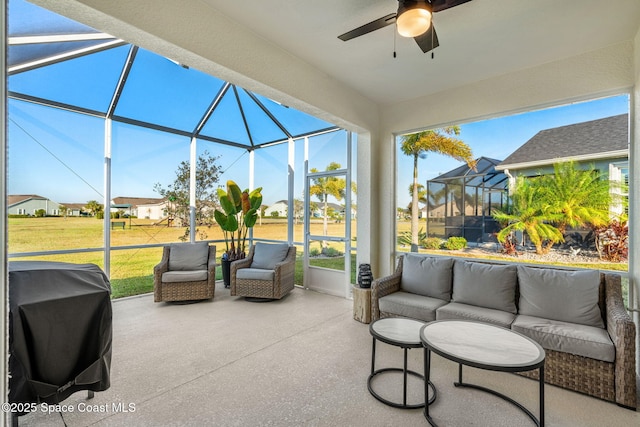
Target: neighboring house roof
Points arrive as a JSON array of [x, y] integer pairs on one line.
[[20, 198], [74, 206], [592, 140], [136, 201], [484, 165]]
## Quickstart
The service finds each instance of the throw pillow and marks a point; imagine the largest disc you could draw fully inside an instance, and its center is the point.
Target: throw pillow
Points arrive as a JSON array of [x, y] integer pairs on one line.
[[266, 256], [427, 276], [567, 296], [485, 285]]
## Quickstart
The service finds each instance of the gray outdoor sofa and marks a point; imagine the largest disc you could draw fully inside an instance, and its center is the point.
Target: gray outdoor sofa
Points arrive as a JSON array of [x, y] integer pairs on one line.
[[577, 316]]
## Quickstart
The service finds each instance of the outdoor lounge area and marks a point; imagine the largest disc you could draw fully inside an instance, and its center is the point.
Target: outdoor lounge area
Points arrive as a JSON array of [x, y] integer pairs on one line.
[[302, 360]]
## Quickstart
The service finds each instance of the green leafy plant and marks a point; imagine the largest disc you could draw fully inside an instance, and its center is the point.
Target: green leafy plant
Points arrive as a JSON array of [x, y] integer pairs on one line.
[[455, 243], [405, 237], [239, 213]]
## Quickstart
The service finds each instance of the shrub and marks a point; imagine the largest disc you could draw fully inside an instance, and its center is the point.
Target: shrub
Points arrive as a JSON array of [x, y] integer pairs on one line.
[[612, 241], [275, 214], [314, 252], [433, 243], [331, 252], [455, 243]]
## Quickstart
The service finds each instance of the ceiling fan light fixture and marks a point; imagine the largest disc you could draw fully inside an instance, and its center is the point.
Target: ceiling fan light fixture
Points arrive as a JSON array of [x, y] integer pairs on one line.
[[413, 18]]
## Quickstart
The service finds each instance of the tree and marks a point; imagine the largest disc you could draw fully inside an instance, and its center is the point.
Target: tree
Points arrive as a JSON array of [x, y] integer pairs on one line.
[[529, 212], [177, 193], [577, 197], [94, 207], [323, 187], [64, 211], [438, 141]]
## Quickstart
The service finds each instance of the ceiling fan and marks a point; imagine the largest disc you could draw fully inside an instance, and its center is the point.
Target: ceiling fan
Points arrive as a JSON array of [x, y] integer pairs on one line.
[[413, 19]]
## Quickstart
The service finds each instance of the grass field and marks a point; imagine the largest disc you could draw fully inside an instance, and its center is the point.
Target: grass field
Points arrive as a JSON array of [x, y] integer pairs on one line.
[[132, 269]]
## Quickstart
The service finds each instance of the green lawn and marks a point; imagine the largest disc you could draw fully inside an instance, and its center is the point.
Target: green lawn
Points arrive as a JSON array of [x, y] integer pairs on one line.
[[131, 270]]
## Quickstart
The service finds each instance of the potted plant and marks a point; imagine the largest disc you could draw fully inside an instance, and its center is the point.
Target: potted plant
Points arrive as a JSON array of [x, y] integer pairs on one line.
[[239, 213]]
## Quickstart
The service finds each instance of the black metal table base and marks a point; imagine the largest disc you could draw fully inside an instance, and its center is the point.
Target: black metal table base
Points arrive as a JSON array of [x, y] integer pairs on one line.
[[405, 373], [538, 421], [404, 404]]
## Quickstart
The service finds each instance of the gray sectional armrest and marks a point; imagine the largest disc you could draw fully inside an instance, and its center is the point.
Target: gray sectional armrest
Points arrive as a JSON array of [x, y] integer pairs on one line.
[[384, 286], [623, 332]]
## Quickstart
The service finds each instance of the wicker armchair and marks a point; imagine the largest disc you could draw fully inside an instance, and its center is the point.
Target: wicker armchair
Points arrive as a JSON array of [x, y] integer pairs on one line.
[[187, 272], [267, 272]]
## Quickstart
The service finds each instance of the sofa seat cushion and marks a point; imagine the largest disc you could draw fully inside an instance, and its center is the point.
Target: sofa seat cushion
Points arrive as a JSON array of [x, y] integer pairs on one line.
[[582, 340], [459, 311], [485, 285], [427, 276], [406, 304], [254, 274], [184, 276]]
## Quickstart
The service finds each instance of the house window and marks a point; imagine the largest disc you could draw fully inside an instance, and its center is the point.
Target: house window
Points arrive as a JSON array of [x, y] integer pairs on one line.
[[619, 173]]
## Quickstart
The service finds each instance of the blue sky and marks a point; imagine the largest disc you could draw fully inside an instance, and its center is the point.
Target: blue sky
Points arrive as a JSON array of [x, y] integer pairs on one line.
[[60, 155], [497, 138]]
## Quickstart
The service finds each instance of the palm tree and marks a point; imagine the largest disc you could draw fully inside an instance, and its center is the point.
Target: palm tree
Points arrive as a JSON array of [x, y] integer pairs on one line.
[[94, 207], [434, 141], [578, 197], [323, 187], [530, 213]]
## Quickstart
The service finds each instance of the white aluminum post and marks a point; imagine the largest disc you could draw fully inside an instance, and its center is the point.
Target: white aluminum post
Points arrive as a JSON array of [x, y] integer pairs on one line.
[[307, 216], [347, 219], [192, 189], [252, 171], [291, 211], [4, 362], [106, 223]]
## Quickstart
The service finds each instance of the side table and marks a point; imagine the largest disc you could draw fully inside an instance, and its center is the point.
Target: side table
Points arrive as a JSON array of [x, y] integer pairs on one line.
[[361, 304]]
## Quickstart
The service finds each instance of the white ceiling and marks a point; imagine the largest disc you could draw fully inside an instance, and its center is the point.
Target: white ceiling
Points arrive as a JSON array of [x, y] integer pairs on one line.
[[478, 40]]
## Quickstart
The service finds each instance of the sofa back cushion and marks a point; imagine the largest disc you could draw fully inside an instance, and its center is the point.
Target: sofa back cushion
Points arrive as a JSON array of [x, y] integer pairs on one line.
[[188, 256], [267, 255], [567, 296], [427, 276], [485, 285]]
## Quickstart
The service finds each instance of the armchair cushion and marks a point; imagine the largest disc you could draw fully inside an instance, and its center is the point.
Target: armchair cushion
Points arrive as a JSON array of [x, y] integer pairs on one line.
[[266, 256], [255, 274], [184, 276], [567, 296], [189, 256]]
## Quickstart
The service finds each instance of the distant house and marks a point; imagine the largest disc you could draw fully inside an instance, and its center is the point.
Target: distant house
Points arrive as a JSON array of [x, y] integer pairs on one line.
[[460, 201], [602, 143], [74, 209], [281, 207], [141, 207], [28, 204]]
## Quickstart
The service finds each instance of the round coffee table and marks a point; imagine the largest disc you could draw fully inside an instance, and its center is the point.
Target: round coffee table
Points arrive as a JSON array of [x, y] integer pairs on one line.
[[486, 347], [403, 333]]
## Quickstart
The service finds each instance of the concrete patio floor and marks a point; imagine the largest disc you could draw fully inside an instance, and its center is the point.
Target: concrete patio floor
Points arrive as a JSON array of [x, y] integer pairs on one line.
[[299, 361]]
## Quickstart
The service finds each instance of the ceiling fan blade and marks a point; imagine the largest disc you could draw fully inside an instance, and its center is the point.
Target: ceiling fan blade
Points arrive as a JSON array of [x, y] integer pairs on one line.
[[367, 28], [429, 40], [440, 5]]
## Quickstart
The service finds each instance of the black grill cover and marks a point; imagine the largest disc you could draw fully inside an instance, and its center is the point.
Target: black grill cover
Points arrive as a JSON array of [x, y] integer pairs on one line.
[[60, 330]]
